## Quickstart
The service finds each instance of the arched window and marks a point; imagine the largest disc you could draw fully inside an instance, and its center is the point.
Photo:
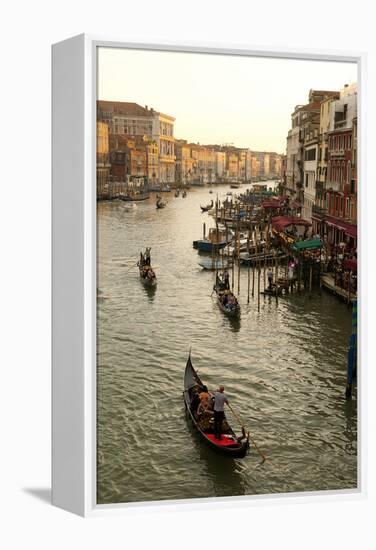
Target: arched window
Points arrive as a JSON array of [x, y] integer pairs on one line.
[[348, 171]]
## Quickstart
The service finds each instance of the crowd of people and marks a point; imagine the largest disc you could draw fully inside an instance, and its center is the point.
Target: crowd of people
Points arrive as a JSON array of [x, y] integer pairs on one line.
[[342, 263]]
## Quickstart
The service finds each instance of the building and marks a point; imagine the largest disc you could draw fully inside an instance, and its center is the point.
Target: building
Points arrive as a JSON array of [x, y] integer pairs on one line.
[[341, 183], [184, 162], [305, 123], [135, 121], [103, 160], [220, 165]]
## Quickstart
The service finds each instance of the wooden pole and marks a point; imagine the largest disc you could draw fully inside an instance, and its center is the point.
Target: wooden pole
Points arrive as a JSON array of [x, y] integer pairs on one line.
[[310, 277], [238, 260], [249, 267], [276, 278], [258, 286]]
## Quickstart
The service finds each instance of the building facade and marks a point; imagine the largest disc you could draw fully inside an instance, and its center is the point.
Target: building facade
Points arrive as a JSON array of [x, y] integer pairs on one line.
[[103, 159], [134, 121]]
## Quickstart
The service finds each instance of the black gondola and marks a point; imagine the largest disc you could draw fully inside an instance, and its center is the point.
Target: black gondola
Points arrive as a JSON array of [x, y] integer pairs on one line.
[[226, 299], [147, 274], [229, 445], [207, 207]]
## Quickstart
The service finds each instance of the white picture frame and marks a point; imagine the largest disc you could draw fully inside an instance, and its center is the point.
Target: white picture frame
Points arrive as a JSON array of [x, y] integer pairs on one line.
[[74, 271]]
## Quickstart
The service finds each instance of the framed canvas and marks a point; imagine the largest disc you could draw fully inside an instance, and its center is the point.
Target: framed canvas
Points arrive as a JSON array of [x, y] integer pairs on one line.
[[207, 282]]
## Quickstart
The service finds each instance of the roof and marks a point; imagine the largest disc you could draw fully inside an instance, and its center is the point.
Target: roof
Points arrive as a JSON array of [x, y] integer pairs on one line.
[[307, 245], [348, 228], [281, 222], [123, 108]]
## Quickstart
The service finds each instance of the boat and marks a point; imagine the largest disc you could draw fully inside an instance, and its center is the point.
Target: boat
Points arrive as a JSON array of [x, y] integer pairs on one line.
[[147, 274], [134, 196], [226, 299], [212, 264], [214, 241], [129, 207], [234, 186], [230, 444], [160, 203], [207, 207]]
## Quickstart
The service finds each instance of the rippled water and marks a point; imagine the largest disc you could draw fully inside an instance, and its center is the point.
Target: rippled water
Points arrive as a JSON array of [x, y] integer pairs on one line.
[[284, 370]]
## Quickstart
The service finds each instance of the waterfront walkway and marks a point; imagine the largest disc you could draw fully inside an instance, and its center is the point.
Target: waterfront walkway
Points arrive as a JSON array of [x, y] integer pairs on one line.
[[327, 282]]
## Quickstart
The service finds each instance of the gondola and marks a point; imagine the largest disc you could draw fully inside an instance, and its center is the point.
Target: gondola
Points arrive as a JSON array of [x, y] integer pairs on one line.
[[230, 444], [147, 274], [160, 204], [207, 207], [230, 308]]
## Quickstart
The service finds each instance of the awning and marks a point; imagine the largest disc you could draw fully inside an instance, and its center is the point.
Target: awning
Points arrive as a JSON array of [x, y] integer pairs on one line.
[[281, 222], [348, 228], [350, 265], [307, 245]]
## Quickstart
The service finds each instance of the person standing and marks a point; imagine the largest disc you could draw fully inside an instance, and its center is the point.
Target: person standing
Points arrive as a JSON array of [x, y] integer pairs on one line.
[[147, 255], [219, 411], [270, 278], [226, 279]]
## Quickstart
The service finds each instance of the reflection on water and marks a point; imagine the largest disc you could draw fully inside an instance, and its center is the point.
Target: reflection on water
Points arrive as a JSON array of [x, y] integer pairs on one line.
[[284, 368]]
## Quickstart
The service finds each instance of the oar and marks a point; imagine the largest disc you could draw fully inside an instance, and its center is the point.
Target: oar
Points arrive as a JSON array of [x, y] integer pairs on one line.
[[129, 268], [249, 435]]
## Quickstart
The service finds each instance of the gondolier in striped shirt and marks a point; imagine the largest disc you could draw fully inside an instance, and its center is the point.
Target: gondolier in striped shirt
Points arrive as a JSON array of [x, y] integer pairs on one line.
[[219, 407]]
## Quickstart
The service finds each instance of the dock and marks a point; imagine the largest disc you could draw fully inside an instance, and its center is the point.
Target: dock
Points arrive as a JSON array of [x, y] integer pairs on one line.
[[327, 281]]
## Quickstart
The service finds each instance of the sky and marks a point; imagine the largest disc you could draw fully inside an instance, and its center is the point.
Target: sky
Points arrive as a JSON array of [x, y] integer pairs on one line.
[[245, 101]]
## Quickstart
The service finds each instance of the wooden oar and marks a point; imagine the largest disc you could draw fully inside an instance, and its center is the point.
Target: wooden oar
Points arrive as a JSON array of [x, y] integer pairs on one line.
[[129, 268], [249, 435]]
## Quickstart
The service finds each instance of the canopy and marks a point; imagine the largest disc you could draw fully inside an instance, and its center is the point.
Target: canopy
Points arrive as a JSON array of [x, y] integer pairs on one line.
[[307, 245], [281, 222], [350, 265], [348, 228]]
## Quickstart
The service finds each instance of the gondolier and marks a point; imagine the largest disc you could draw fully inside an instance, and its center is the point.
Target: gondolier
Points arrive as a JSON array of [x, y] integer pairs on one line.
[[219, 411], [229, 444]]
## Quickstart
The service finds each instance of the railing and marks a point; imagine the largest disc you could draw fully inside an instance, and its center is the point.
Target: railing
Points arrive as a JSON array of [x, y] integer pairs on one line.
[[319, 210]]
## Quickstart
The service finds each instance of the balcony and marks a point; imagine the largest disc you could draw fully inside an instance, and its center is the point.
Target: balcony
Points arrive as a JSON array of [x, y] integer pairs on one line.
[[336, 153], [319, 211], [332, 186]]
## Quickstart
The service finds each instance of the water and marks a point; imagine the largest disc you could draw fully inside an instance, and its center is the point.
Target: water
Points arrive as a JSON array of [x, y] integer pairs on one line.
[[284, 369]]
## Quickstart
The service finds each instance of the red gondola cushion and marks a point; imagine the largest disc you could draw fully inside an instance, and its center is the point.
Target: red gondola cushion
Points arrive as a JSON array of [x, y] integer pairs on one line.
[[223, 442]]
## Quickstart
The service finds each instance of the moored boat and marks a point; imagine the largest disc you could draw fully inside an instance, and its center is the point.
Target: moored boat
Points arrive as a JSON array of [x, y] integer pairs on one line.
[[230, 444], [207, 207], [214, 241]]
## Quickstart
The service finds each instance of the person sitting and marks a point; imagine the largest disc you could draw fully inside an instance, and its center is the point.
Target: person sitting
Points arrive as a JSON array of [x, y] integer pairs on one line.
[[195, 402], [205, 400], [225, 299]]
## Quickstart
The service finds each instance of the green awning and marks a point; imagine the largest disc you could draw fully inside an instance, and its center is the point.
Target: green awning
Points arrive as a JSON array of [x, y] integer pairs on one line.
[[307, 245]]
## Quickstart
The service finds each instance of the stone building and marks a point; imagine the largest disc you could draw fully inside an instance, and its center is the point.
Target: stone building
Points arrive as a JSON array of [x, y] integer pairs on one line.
[[133, 120], [341, 183], [305, 122], [103, 160]]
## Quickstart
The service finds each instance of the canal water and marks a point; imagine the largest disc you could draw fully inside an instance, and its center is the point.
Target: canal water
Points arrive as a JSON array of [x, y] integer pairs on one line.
[[283, 368]]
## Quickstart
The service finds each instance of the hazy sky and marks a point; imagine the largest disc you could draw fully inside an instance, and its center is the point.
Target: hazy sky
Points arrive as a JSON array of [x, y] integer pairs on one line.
[[219, 99]]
